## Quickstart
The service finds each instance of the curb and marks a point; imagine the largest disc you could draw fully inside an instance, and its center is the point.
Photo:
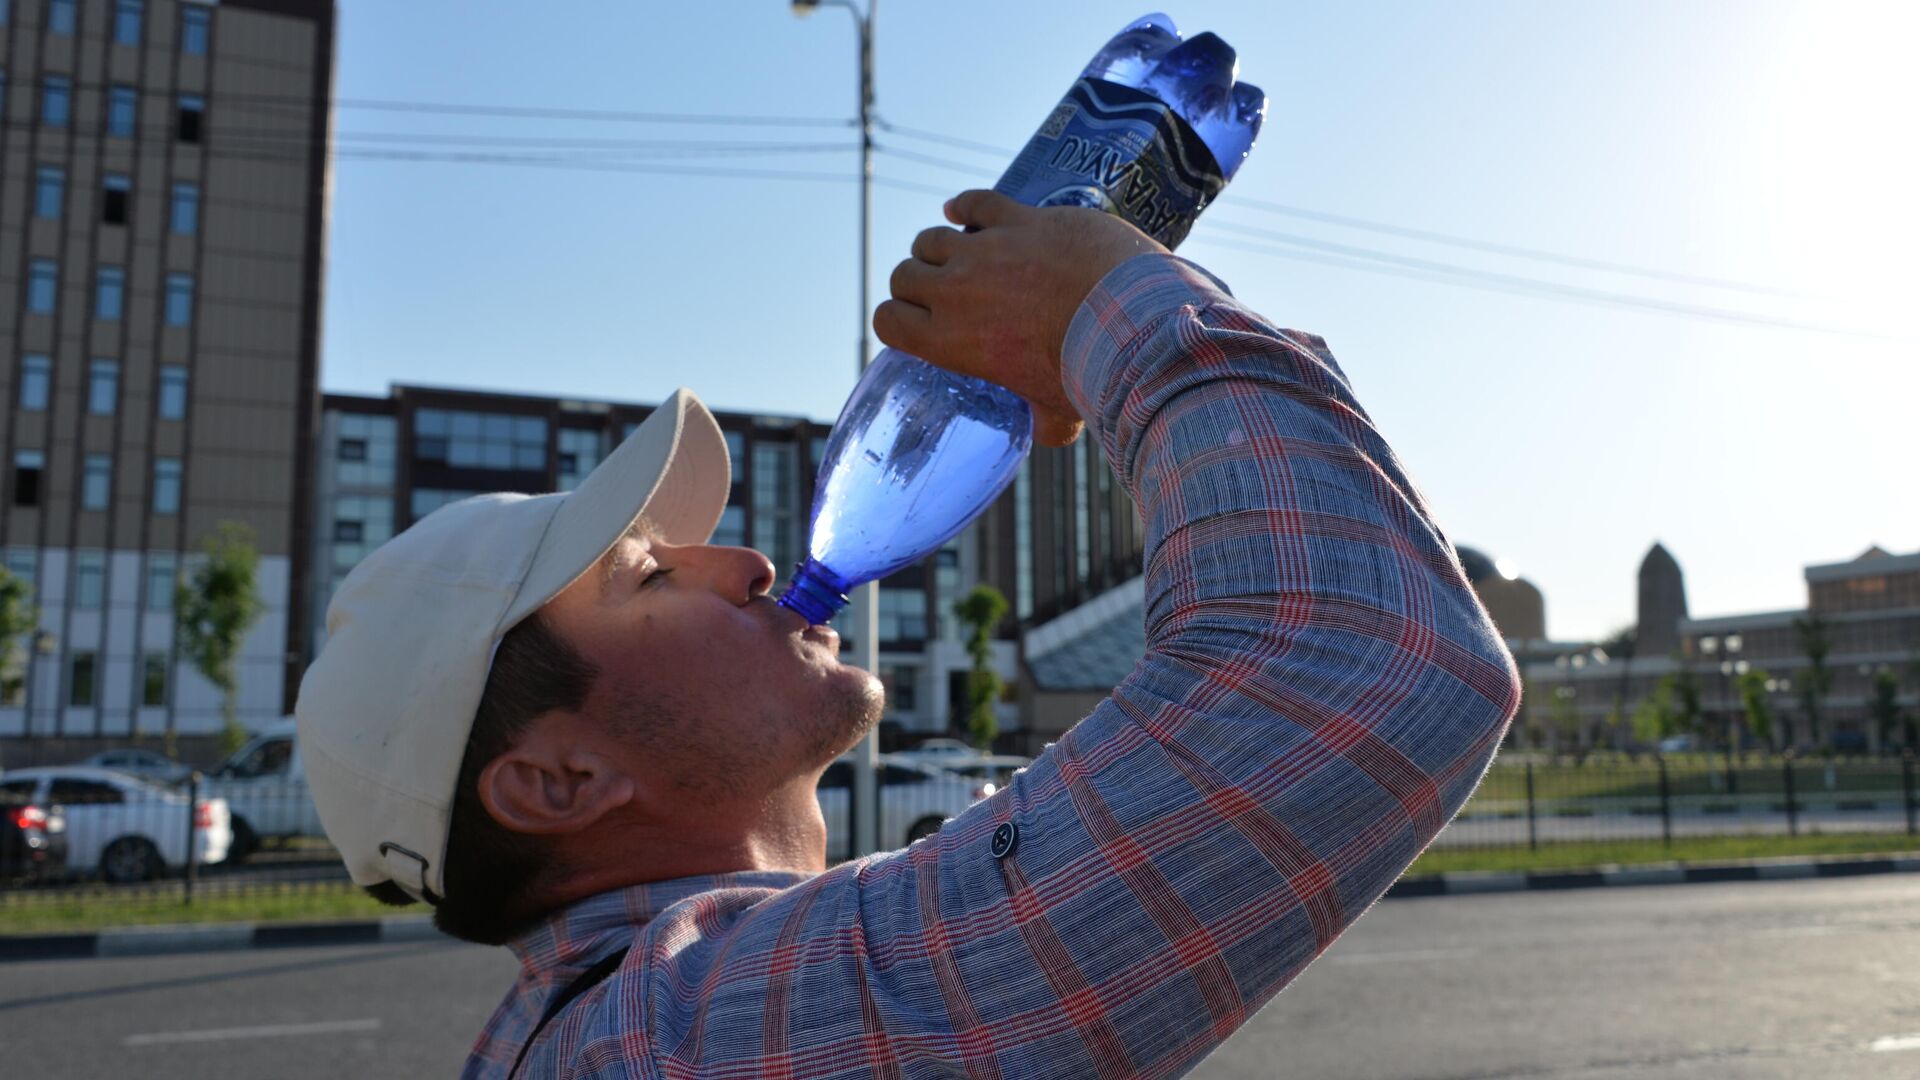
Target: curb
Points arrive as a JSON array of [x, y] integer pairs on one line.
[[213, 937], [1784, 869]]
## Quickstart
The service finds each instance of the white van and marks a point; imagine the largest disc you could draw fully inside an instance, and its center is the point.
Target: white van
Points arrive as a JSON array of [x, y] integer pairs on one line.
[[266, 789]]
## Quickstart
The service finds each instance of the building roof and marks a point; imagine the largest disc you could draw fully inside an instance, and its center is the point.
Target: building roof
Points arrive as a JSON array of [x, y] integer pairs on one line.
[[1870, 563], [1093, 647]]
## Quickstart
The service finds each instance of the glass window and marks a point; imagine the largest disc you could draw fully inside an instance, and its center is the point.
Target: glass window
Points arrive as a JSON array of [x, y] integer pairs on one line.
[[195, 22], [153, 679], [903, 615], [179, 299], [162, 576], [426, 500], [352, 450], [80, 679], [60, 16], [89, 579], [375, 436], [1023, 540], [96, 483], [737, 455], [173, 392], [109, 292], [126, 22], [56, 100], [6, 11], [190, 119], [27, 467], [103, 387], [50, 182], [186, 209], [775, 492], [166, 485], [116, 192], [36, 382], [579, 451], [43, 286], [1082, 540], [732, 531], [24, 563], [123, 111], [472, 440]]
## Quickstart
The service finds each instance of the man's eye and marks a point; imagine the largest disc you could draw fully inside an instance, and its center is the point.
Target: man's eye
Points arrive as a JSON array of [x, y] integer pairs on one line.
[[659, 573]]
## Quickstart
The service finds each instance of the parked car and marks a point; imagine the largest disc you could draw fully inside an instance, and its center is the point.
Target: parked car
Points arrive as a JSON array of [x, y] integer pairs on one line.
[[1678, 744], [33, 836], [996, 768], [940, 750], [150, 764], [127, 828], [915, 800], [266, 785]]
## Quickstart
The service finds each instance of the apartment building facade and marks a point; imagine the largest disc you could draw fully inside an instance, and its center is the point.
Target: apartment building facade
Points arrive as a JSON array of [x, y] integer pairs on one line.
[[163, 209]]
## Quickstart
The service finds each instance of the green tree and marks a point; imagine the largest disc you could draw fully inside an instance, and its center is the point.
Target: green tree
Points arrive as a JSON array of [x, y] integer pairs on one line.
[[1816, 678], [1884, 707], [214, 608], [1620, 647], [982, 609], [1655, 717], [17, 620], [1752, 686]]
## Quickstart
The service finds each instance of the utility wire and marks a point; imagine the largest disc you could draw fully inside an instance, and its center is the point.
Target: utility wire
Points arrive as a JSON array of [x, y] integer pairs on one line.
[[1235, 199]]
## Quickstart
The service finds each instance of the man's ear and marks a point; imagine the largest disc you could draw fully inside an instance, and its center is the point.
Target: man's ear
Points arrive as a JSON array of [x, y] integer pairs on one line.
[[550, 783]]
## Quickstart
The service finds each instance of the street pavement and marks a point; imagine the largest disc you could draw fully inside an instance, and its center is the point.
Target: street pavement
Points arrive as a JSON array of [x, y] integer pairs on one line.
[[1816, 978]]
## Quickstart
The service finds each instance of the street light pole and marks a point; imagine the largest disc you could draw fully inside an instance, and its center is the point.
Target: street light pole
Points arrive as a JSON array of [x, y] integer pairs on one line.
[[864, 604]]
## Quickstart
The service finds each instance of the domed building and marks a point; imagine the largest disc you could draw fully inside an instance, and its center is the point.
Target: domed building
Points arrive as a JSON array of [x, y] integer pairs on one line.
[[1517, 606]]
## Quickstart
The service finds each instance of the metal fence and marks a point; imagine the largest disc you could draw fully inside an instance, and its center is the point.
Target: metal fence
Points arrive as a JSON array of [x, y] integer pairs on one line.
[[71, 834]]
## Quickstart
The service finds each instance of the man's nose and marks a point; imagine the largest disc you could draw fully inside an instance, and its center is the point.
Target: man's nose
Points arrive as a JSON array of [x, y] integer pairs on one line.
[[738, 573]]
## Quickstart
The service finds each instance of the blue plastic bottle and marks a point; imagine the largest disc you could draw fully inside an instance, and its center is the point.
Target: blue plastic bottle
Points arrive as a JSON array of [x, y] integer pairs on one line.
[[1152, 131]]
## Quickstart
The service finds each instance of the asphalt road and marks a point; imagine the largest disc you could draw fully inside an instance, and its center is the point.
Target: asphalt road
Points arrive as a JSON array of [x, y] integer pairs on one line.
[[1815, 978]]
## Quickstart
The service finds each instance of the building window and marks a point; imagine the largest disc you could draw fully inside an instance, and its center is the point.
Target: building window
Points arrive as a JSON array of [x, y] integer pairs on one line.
[[360, 524], [126, 22], [80, 679], [349, 532], [153, 679], [96, 482], [50, 182], [425, 501], [123, 111], [186, 209], [56, 100], [43, 286], [775, 496], [374, 436], [162, 577], [60, 16], [903, 616], [89, 579], [1023, 541], [27, 467], [116, 192], [173, 392], [109, 293], [1082, 502], [103, 387], [195, 22], [472, 440], [190, 119], [24, 563], [36, 382], [179, 299], [900, 685], [578, 451], [166, 485], [732, 531]]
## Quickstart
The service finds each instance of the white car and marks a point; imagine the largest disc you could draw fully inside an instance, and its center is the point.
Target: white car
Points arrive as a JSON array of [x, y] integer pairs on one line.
[[915, 800], [127, 828], [266, 785], [936, 751], [150, 764]]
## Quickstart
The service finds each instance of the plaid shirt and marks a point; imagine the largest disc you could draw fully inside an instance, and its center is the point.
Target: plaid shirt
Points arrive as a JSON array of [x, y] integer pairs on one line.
[[1321, 692]]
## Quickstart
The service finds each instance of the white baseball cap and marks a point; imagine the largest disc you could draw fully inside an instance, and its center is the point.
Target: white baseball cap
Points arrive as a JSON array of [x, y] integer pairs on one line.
[[385, 709]]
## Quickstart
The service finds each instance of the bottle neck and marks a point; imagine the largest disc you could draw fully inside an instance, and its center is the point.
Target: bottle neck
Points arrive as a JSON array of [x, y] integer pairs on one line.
[[817, 593]]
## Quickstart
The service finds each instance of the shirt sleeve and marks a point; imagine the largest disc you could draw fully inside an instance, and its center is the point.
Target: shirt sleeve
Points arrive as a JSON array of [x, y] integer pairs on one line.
[[1321, 692]]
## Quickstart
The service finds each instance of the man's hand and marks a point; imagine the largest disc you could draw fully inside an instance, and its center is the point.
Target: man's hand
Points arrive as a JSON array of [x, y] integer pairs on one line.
[[995, 301]]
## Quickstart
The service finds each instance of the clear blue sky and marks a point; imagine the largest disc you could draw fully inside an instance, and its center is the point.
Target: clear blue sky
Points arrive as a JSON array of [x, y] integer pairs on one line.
[[1760, 143]]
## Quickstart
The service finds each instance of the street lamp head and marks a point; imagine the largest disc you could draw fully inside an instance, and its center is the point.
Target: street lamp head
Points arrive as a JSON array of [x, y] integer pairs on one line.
[[805, 7]]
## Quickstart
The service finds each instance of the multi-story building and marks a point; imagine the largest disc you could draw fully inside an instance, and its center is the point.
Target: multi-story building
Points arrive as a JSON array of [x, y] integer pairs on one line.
[[163, 178], [1862, 615], [385, 462]]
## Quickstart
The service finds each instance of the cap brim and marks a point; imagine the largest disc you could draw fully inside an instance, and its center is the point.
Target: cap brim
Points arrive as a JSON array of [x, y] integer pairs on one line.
[[673, 469]]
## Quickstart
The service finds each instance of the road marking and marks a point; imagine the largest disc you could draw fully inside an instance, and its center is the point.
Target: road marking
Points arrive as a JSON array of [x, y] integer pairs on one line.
[[324, 1027], [1405, 955], [1896, 1042]]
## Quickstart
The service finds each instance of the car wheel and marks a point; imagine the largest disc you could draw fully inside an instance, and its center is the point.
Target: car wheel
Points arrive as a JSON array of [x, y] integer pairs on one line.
[[130, 858], [245, 841], [923, 828]]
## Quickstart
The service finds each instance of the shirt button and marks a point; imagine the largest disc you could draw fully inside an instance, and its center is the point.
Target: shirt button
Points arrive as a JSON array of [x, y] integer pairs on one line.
[[1004, 838]]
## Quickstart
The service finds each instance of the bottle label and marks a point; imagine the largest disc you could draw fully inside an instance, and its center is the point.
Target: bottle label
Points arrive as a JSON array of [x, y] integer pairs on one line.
[[1118, 149]]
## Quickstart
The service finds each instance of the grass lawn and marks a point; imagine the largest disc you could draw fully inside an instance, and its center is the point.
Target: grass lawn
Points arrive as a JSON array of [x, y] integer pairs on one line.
[[28, 913], [1690, 774], [1582, 855]]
